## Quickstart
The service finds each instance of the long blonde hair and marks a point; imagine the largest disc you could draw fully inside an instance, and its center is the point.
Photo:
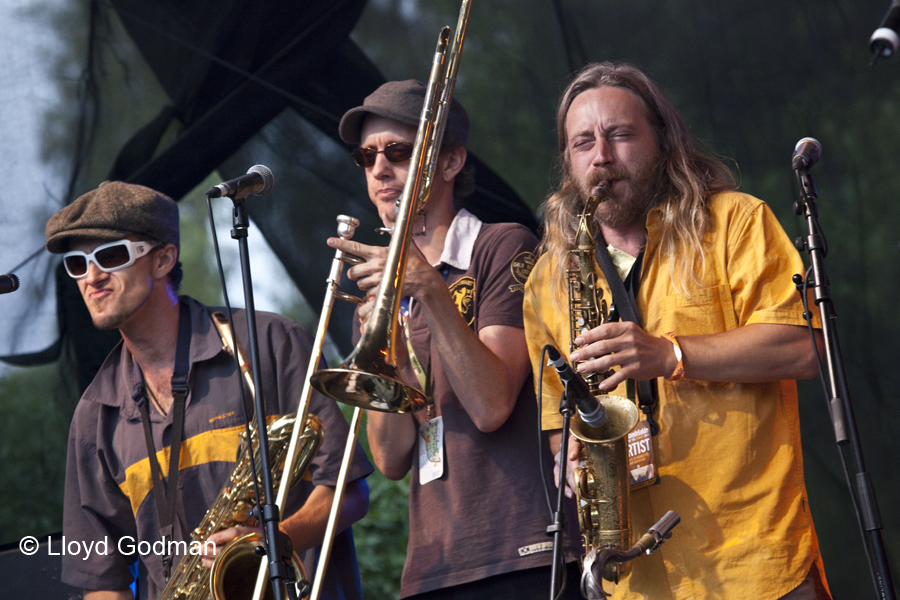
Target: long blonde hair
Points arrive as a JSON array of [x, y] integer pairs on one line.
[[688, 176]]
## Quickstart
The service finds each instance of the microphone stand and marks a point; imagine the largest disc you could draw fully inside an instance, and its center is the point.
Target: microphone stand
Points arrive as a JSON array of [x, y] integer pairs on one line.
[[278, 547], [840, 407], [556, 529]]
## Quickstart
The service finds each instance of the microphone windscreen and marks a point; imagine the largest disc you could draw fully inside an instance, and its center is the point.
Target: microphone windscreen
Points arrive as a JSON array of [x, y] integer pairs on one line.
[[268, 179]]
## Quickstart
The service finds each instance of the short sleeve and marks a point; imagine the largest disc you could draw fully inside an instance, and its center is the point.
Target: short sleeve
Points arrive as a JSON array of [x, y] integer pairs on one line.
[[540, 319], [504, 256], [761, 264], [96, 513]]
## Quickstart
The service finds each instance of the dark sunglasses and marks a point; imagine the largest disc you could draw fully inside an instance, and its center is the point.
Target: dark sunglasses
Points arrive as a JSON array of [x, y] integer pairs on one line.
[[395, 152], [108, 257]]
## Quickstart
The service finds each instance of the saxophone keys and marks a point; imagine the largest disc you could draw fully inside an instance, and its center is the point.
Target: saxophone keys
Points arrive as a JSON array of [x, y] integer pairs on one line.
[[585, 482], [241, 512]]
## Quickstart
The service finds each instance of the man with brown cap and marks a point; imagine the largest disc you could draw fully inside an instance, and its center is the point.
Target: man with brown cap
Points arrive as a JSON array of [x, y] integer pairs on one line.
[[120, 242], [477, 509]]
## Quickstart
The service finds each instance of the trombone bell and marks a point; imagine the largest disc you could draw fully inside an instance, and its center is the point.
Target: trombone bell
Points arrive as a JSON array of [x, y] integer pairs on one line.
[[368, 378], [383, 391]]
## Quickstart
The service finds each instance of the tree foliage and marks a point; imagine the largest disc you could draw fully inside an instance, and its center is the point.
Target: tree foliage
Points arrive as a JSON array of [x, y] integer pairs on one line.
[[36, 408]]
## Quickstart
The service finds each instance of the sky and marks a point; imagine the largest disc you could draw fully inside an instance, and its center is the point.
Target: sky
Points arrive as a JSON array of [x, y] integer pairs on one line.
[[25, 94]]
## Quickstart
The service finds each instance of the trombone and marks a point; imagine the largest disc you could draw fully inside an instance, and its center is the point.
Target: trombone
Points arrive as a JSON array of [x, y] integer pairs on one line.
[[368, 378], [346, 228]]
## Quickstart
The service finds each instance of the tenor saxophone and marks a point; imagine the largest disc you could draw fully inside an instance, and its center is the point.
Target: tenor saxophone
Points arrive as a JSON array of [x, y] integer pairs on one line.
[[601, 482], [234, 572]]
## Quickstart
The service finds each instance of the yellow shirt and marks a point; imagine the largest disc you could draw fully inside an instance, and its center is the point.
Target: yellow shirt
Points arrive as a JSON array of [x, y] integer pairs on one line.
[[729, 455]]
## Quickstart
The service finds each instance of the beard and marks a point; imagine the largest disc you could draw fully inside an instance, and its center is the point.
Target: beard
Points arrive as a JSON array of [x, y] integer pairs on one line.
[[109, 322], [646, 190]]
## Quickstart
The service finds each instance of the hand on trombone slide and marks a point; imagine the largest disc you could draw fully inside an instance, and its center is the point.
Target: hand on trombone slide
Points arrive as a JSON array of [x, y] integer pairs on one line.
[[421, 280]]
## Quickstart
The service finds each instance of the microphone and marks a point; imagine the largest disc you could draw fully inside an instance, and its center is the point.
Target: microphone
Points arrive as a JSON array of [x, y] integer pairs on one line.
[[259, 180], [8, 283], [885, 40], [592, 412], [806, 152]]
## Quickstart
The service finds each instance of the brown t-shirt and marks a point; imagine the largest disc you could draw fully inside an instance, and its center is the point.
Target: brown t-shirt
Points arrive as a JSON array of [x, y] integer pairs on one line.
[[487, 514], [109, 497]]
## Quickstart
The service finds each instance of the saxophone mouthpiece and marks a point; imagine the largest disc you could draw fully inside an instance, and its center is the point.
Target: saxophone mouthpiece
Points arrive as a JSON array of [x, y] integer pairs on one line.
[[600, 192]]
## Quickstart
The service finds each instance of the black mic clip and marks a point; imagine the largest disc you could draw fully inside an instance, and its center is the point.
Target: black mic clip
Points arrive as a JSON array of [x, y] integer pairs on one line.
[[590, 409]]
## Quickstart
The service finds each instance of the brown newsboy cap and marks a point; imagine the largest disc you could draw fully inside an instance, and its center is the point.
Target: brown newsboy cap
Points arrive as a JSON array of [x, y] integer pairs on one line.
[[113, 211], [402, 101]]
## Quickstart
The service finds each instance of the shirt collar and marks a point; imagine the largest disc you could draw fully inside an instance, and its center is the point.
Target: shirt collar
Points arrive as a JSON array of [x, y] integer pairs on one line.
[[654, 228], [621, 260], [460, 241]]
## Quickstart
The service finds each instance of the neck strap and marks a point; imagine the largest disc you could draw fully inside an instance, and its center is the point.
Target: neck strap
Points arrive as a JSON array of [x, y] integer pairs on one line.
[[624, 297], [165, 492]]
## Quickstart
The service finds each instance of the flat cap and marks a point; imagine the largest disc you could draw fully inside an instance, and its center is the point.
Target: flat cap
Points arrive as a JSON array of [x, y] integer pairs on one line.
[[113, 211], [402, 101]]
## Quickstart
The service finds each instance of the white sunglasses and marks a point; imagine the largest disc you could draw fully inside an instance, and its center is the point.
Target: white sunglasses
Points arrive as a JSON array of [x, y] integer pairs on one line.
[[108, 257]]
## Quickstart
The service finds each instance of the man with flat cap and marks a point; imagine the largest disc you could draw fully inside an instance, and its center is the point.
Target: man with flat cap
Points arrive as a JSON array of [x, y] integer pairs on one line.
[[477, 509], [120, 242]]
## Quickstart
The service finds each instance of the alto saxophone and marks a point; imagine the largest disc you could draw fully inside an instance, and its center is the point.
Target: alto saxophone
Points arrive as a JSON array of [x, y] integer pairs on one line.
[[233, 574], [601, 482]]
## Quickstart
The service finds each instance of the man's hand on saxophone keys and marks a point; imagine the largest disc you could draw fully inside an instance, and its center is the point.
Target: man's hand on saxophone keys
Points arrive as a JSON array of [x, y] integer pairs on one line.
[[220, 539], [636, 353]]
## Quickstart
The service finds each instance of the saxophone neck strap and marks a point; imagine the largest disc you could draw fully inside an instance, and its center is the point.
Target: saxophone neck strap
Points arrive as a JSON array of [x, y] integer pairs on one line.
[[624, 295], [165, 492]]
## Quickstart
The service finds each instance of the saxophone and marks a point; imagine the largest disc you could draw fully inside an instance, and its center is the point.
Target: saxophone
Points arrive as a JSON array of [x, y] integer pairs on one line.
[[601, 482], [233, 574]]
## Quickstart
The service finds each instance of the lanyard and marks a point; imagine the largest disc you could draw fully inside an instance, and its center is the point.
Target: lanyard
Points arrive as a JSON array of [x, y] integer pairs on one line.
[[624, 294], [423, 374], [165, 493]]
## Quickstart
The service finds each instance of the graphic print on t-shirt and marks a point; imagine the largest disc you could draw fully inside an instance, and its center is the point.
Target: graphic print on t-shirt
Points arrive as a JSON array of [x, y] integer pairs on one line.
[[521, 267], [463, 293]]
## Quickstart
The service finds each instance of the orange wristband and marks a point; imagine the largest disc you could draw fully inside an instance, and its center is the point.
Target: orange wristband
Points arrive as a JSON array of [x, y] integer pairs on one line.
[[678, 373]]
